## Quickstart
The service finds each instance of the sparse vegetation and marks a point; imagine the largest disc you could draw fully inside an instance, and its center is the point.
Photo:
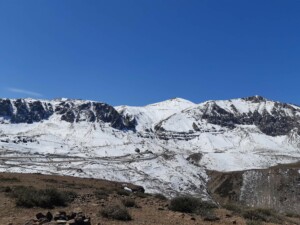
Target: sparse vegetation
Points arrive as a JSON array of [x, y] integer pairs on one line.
[[292, 215], [9, 179], [5, 189], [209, 216], [160, 196], [101, 194], [128, 202], [188, 204], [123, 192], [119, 206], [141, 195], [253, 222], [116, 211], [47, 198], [70, 195], [256, 216], [263, 215], [49, 180], [237, 209]]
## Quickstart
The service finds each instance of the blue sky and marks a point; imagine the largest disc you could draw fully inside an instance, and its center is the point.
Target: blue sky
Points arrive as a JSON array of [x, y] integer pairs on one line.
[[137, 52]]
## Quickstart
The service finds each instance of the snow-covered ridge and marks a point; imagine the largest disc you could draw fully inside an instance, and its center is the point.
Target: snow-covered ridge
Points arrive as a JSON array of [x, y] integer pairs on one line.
[[31, 111], [148, 116], [272, 118], [154, 146]]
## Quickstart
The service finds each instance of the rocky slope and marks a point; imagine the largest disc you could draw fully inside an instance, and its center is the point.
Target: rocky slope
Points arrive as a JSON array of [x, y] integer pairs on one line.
[[276, 187], [166, 147]]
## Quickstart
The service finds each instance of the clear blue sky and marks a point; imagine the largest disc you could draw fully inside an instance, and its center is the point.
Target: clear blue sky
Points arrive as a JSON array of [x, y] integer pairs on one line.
[[137, 52]]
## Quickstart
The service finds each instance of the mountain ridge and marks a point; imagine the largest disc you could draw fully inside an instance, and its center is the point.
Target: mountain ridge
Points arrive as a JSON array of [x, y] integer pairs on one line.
[[165, 147]]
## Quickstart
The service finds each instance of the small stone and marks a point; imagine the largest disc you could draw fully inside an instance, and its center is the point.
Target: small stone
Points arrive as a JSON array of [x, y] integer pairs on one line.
[[40, 215], [72, 215]]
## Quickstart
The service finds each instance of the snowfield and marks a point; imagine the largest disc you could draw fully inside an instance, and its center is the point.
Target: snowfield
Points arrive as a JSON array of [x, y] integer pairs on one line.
[[153, 155]]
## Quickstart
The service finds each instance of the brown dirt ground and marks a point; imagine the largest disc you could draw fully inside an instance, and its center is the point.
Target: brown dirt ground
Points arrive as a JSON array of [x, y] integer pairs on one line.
[[148, 212]]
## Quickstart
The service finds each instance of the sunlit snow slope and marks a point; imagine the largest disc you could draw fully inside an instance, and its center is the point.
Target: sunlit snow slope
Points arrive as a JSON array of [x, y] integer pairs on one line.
[[166, 147]]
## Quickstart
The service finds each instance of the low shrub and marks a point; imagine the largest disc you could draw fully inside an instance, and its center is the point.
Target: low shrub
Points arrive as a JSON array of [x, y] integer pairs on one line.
[[101, 194], [128, 202], [184, 204], [263, 215], [234, 208], [5, 189], [47, 198], [116, 211], [123, 192], [210, 216], [141, 195], [70, 195], [8, 179], [50, 180], [292, 215], [188, 204], [160, 196]]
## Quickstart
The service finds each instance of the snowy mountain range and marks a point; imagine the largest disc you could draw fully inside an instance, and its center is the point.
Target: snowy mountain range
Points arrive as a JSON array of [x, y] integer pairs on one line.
[[166, 146]]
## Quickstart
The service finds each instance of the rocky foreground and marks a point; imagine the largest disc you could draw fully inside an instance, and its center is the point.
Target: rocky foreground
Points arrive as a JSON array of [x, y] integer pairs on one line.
[[77, 201]]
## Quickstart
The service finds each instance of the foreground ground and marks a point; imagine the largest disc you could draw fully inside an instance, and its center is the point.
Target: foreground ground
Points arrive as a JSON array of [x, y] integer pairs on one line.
[[149, 208]]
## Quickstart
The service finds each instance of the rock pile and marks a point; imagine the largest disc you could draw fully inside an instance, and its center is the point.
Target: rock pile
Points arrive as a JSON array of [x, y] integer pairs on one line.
[[60, 218]]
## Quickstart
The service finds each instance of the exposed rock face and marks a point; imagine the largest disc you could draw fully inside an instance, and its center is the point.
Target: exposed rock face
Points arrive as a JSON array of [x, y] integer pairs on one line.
[[272, 118], [22, 111], [30, 111], [280, 121], [276, 188], [93, 112]]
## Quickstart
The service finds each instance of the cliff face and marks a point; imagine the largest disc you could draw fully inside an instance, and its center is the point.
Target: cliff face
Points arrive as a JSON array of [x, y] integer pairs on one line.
[[72, 111], [22, 111], [276, 187]]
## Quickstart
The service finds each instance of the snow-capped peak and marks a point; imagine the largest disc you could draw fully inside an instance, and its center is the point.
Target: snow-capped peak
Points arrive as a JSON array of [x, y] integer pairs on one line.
[[173, 103], [148, 116]]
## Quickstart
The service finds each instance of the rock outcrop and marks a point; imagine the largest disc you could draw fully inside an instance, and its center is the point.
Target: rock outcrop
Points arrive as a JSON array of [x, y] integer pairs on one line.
[[76, 217], [276, 188], [72, 111]]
